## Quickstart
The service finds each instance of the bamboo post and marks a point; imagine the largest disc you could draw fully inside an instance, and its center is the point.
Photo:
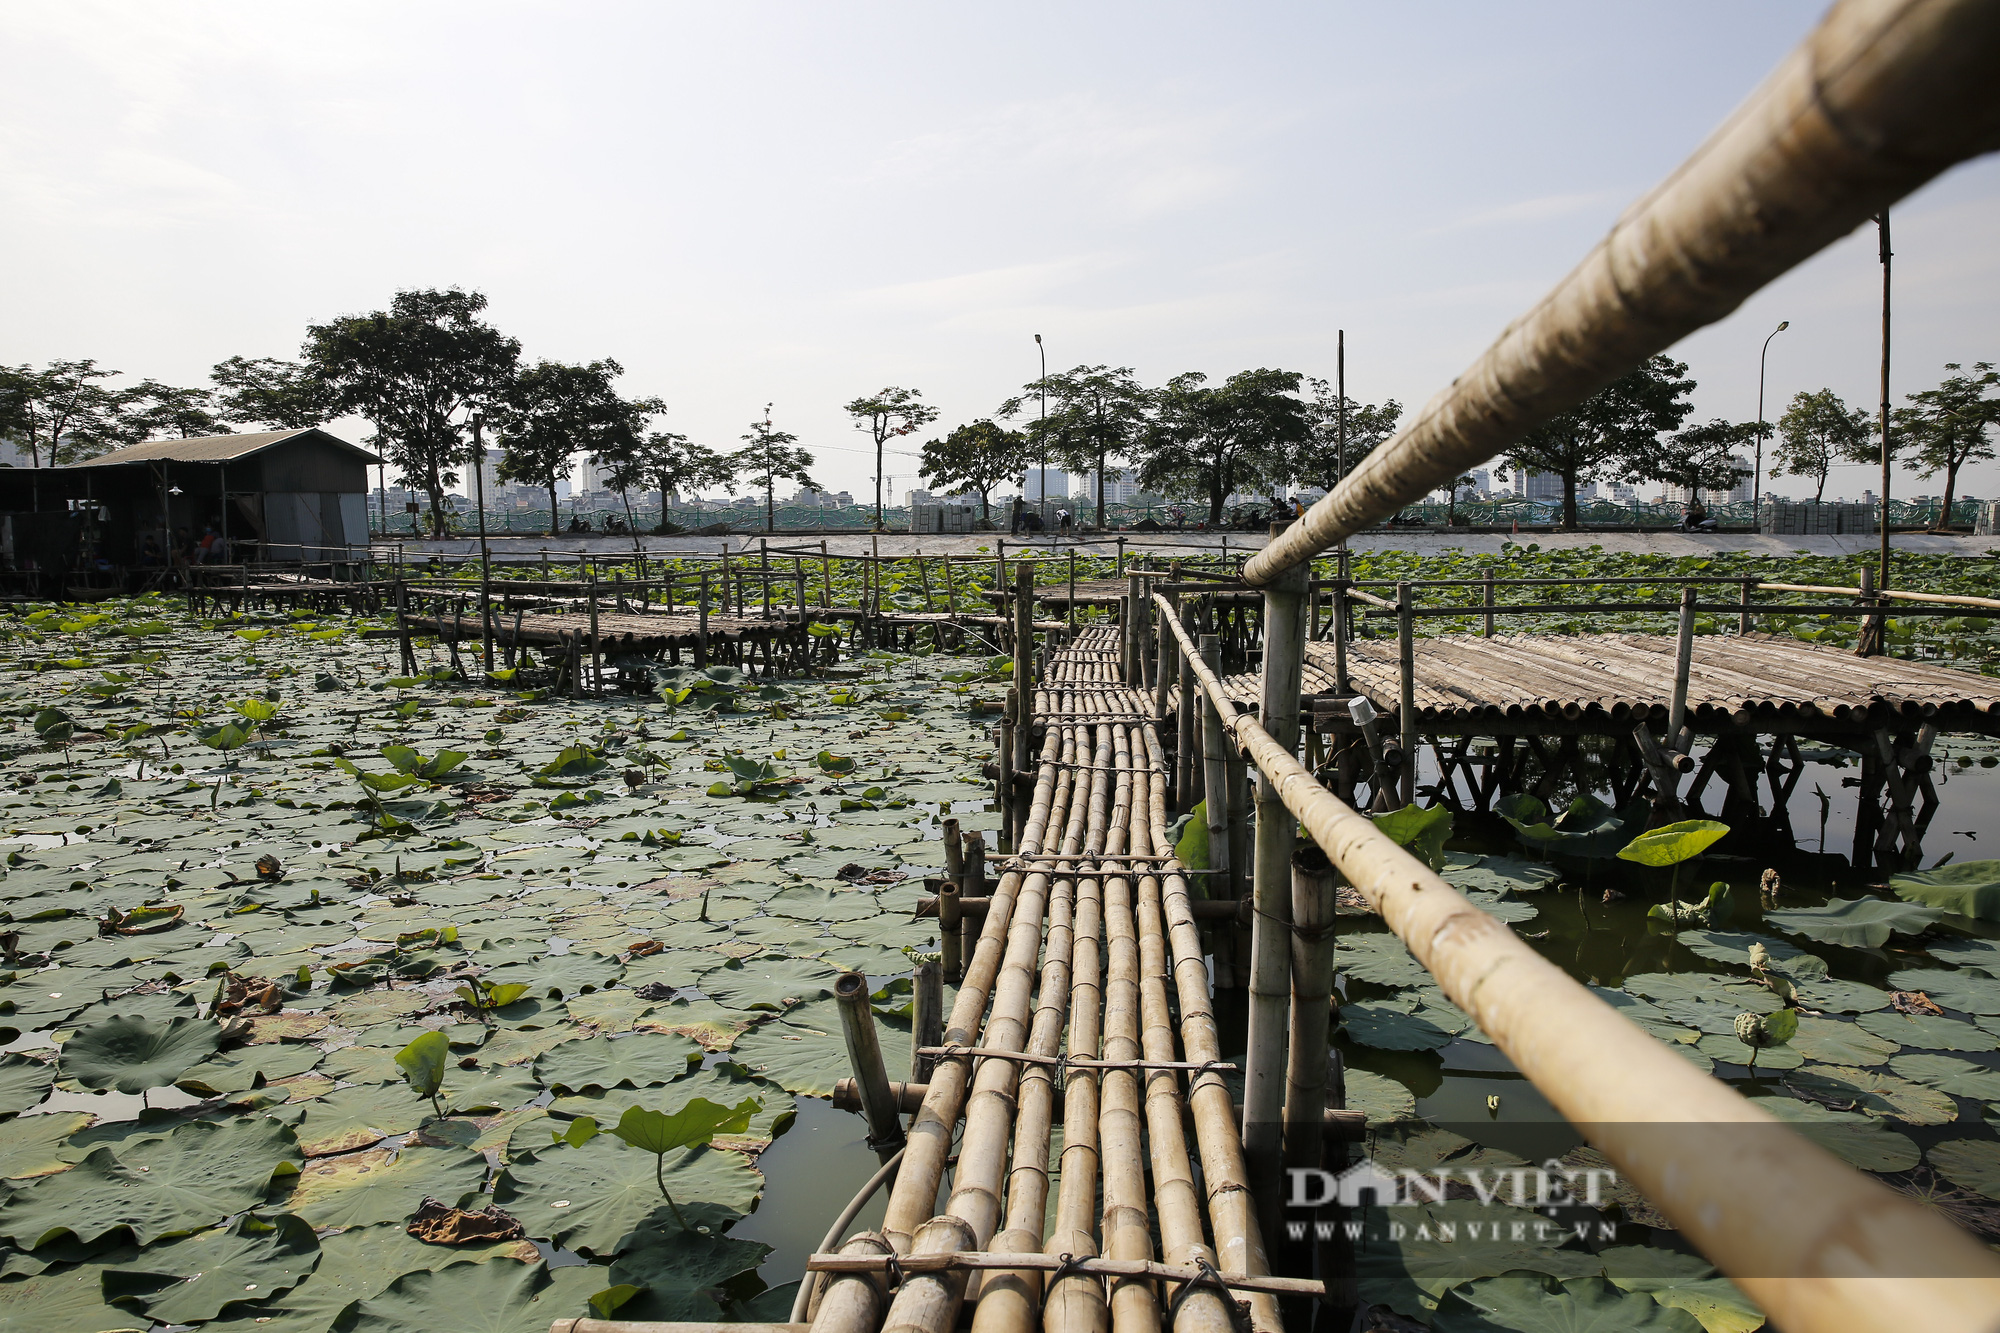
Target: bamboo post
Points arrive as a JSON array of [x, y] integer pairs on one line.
[[864, 1054], [1869, 641], [825, 576], [1406, 700], [1118, 570], [1008, 726], [1743, 616], [926, 1017], [596, 668], [1307, 1070], [1136, 585], [1683, 664], [1024, 651], [1488, 582], [403, 628], [701, 629], [1072, 587], [1184, 728], [974, 873], [1338, 628], [1666, 783], [1215, 772], [1076, 1304], [1270, 944]]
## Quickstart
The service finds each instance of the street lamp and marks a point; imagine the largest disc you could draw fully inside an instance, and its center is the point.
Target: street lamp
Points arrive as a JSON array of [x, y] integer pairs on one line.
[[1757, 468], [1042, 387]]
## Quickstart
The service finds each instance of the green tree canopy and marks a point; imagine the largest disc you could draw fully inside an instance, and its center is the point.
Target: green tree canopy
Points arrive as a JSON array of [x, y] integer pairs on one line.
[[273, 394], [1214, 441], [553, 410], [1946, 427], [413, 369], [64, 412], [885, 415], [1315, 460], [767, 457], [668, 463], [158, 411], [976, 457], [1817, 431], [1095, 416], [1599, 435], [1705, 457]]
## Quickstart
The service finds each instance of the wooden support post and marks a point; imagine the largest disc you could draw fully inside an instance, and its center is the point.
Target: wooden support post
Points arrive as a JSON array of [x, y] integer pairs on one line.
[[1072, 587], [1215, 772], [864, 1054], [403, 628], [1406, 698], [1338, 628], [1743, 616], [975, 876], [596, 657], [1683, 665], [1488, 582], [1024, 671], [1118, 570], [825, 574], [1312, 944], [701, 628], [1005, 767], [1666, 783], [1270, 937], [1136, 635], [926, 1018], [1871, 641]]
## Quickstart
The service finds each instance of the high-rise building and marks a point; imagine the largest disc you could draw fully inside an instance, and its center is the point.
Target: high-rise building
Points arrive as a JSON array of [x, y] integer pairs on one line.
[[1119, 487], [1052, 484]]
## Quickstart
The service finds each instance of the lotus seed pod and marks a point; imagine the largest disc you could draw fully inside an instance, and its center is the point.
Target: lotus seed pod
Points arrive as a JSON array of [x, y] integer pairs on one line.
[[1770, 884], [1760, 957], [1750, 1030]]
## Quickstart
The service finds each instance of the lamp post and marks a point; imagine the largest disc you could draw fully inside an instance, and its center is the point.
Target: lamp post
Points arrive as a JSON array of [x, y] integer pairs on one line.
[[1042, 388], [1757, 467], [485, 565]]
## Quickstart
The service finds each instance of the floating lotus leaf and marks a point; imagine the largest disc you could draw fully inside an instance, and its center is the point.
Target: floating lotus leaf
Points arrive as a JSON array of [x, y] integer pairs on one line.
[[1874, 1093], [1960, 1078], [1384, 1099], [678, 1273], [1832, 1042], [248, 1067], [1390, 1026], [767, 982], [1719, 1305], [1733, 947], [1928, 1033], [575, 973], [23, 1083], [640, 1061], [589, 1198], [32, 1145], [1381, 959], [1724, 1046], [1539, 1303], [1855, 923], [133, 1054], [246, 1263], [67, 1298], [1863, 1141], [1973, 1163], [805, 1051], [358, 1263], [192, 1178], [1967, 992], [351, 1118], [1673, 843], [1969, 888], [361, 1188], [524, 1299], [493, 1089]]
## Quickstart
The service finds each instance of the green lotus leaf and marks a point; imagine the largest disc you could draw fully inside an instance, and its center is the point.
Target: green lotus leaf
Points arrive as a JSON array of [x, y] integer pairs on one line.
[[351, 1118], [34, 1145], [767, 982], [66, 1298], [248, 1067], [194, 1177], [676, 1274], [1832, 1042], [1960, 1078], [590, 1198], [133, 1054], [358, 1189], [642, 1060], [527, 1298], [1388, 1026], [359, 1262], [1969, 888], [23, 1082], [423, 1062], [1875, 1093], [1422, 831], [1967, 992], [188, 1281], [1865, 1142], [1855, 923], [1973, 1163], [1539, 1303], [1671, 844]]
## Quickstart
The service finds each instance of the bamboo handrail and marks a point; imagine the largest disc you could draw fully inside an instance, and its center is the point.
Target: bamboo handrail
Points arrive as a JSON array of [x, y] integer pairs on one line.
[[1946, 599], [1821, 1247], [1880, 98], [975, 1261]]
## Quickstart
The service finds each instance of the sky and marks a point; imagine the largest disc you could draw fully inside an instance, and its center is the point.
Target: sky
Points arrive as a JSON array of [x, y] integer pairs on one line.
[[800, 204]]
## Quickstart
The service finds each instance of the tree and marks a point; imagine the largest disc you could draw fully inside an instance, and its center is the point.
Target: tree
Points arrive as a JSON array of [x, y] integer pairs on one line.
[[553, 410], [1816, 431], [1947, 427], [977, 457], [768, 457], [277, 395], [1220, 440], [1095, 414], [890, 413], [64, 411], [159, 410], [668, 463], [1701, 458], [411, 369], [1315, 461], [1607, 429]]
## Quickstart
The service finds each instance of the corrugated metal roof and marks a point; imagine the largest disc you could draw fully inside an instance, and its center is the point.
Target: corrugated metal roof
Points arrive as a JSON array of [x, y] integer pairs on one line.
[[212, 448]]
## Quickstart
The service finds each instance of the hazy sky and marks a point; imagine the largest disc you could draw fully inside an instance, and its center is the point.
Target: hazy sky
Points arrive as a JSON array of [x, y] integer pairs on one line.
[[801, 203]]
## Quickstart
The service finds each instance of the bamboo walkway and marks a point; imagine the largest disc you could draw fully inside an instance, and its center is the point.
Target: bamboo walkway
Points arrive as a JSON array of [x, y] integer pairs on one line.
[[1090, 950]]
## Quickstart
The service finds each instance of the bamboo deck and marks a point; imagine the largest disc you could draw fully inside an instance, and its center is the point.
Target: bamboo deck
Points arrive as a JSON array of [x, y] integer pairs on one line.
[[1565, 681], [617, 631]]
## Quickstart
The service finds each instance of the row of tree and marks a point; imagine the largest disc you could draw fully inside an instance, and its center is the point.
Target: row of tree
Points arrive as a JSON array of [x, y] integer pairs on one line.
[[1272, 428], [431, 374]]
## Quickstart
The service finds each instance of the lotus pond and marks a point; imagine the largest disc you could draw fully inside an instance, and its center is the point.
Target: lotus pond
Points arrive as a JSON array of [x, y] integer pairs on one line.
[[249, 865]]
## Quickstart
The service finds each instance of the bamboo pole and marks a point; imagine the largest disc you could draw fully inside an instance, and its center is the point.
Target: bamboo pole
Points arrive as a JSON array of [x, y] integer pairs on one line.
[[864, 1056], [1184, 733], [1271, 890], [1312, 989], [1821, 1247], [1214, 765], [1406, 679], [1943, 599], [1024, 651], [1683, 663], [926, 1017], [1880, 98]]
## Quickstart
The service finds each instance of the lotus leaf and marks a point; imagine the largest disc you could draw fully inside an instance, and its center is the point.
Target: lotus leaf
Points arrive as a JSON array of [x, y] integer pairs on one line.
[[1673, 843], [1930, 1033], [1862, 1141], [1858, 923], [1960, 1078], [133, 1054], [560, 975], [188, 1281], [1538, 1303], [589, 1198], [640, 1061], [1391, 1027], [248, 1067], [805, 1053], [1381, 959], [1973, 1163], [33, 1145], [767, 982], [501, 1089], [676, 1274], [422, 1062], [1967, 992], [1422, 831], [368, 1187], [1716, 1302], [1832, 1042], [1384, 1099], [194, 1177], [1875, 1093], [524, 1299], [69, 1298], [1969, 888], [357, 1117], [23, 1083], [358, 1263]]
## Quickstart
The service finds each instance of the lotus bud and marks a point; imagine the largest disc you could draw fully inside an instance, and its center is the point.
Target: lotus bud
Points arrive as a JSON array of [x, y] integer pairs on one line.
[[1750, 1031]]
